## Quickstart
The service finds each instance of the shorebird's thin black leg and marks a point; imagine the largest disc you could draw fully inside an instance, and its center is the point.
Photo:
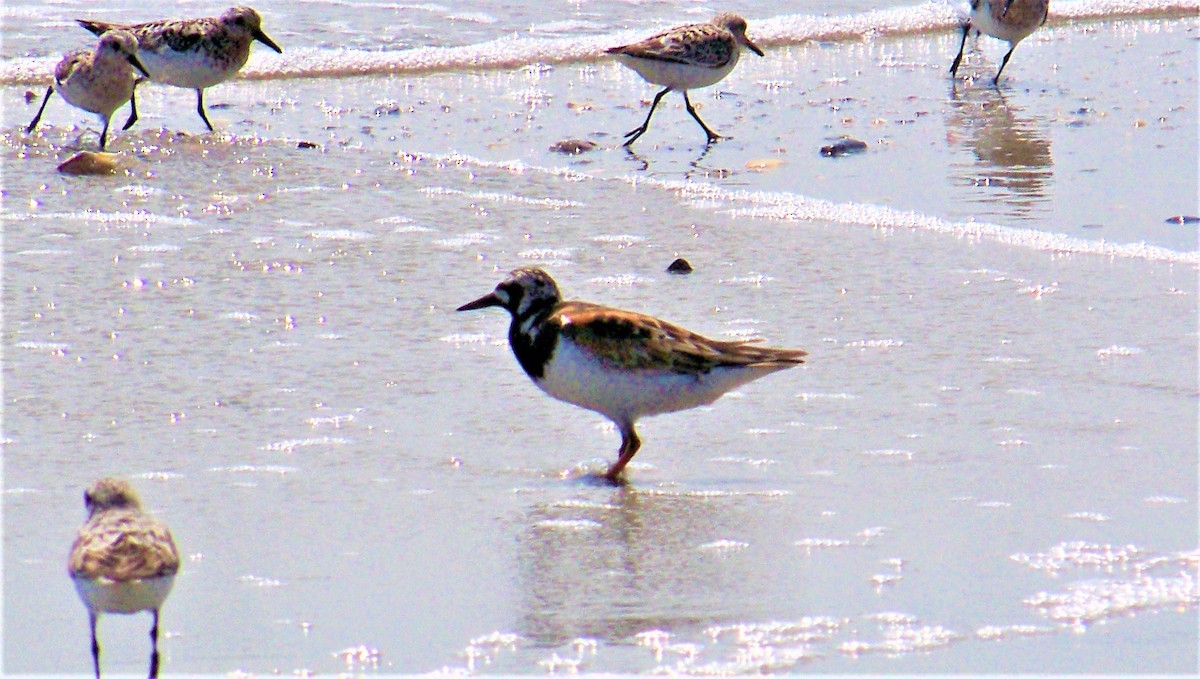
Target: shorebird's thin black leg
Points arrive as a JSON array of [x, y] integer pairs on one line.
[[33, 123], [154, 648], [996, 80], [200, 109], [961, 46], [133, 116], [639, 131], [712, 136], [95, 645], [104, 133]]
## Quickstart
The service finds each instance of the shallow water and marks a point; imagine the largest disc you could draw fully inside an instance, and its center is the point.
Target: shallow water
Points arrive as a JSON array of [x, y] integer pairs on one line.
[[988, 464]]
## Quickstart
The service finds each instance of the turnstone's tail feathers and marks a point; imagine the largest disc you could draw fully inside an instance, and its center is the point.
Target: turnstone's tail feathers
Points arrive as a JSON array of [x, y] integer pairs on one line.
[[639, 341], [97, 27]]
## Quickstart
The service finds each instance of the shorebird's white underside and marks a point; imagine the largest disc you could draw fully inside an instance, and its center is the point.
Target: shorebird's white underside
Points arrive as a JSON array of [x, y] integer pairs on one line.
[[133, 596], [675, 75], [580, 378], [194, 70]]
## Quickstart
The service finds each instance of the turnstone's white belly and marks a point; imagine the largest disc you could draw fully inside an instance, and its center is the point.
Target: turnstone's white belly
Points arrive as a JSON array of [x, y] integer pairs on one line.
[[581, 378]]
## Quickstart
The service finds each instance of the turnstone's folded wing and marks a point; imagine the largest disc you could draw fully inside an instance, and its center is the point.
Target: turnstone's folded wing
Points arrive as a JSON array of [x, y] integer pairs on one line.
[[640, 342]]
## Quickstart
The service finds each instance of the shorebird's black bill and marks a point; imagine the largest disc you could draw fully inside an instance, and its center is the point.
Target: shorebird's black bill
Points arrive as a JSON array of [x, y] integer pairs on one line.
[[487, 300], [754, 48], [262, 37], [138, 65]]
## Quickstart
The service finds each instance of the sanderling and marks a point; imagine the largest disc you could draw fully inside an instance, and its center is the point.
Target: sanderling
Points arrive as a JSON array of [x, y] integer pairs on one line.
[[98, 81], [123, 560], [621, 364], [195, 53], [685, 58], [1011, 20]]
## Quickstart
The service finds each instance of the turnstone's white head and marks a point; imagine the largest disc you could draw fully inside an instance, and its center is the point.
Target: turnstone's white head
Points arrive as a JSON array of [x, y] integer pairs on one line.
[[526, 290]]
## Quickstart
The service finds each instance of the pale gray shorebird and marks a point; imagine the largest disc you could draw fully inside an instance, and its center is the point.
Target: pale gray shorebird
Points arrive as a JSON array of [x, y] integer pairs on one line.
[[123, 560], [1010, 20], [98, 81], [686, 58], [195, 53], [621, 364]]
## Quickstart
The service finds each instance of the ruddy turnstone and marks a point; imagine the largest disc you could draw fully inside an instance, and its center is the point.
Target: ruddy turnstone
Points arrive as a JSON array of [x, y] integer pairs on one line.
[[98, 81], [195, 53], [123, 560], [1011, 20], [621, 364], [686, 58]]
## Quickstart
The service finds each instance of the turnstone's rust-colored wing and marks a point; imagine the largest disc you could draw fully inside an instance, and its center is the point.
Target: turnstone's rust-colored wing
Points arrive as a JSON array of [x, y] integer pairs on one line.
[[639, 342]]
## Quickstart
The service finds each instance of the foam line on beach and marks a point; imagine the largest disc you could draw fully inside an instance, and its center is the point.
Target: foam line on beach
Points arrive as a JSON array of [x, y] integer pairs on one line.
[[515, 51], [797, 208]]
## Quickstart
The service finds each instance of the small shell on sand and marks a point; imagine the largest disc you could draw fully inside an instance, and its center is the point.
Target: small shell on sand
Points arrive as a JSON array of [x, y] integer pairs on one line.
[[92, 163], [573, 147], [763, 164]]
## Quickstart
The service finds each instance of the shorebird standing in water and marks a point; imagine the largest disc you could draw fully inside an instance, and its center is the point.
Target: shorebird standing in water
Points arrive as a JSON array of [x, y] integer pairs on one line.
[[194, 53], [1011, 20], [98, 81], [621, 364], [687, 58], [123, 560]]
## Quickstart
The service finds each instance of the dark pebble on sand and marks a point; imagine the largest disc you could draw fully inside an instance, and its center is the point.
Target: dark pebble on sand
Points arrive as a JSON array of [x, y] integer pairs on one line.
[[30, 95], [306, 145], [1183, 219], [842, 147], [680, 266], [573, 146]]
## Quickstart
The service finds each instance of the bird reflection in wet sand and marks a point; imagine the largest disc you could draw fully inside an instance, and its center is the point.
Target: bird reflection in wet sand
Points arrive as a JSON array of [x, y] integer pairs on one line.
[[1012, 152], [622, 364], [610, 568]]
